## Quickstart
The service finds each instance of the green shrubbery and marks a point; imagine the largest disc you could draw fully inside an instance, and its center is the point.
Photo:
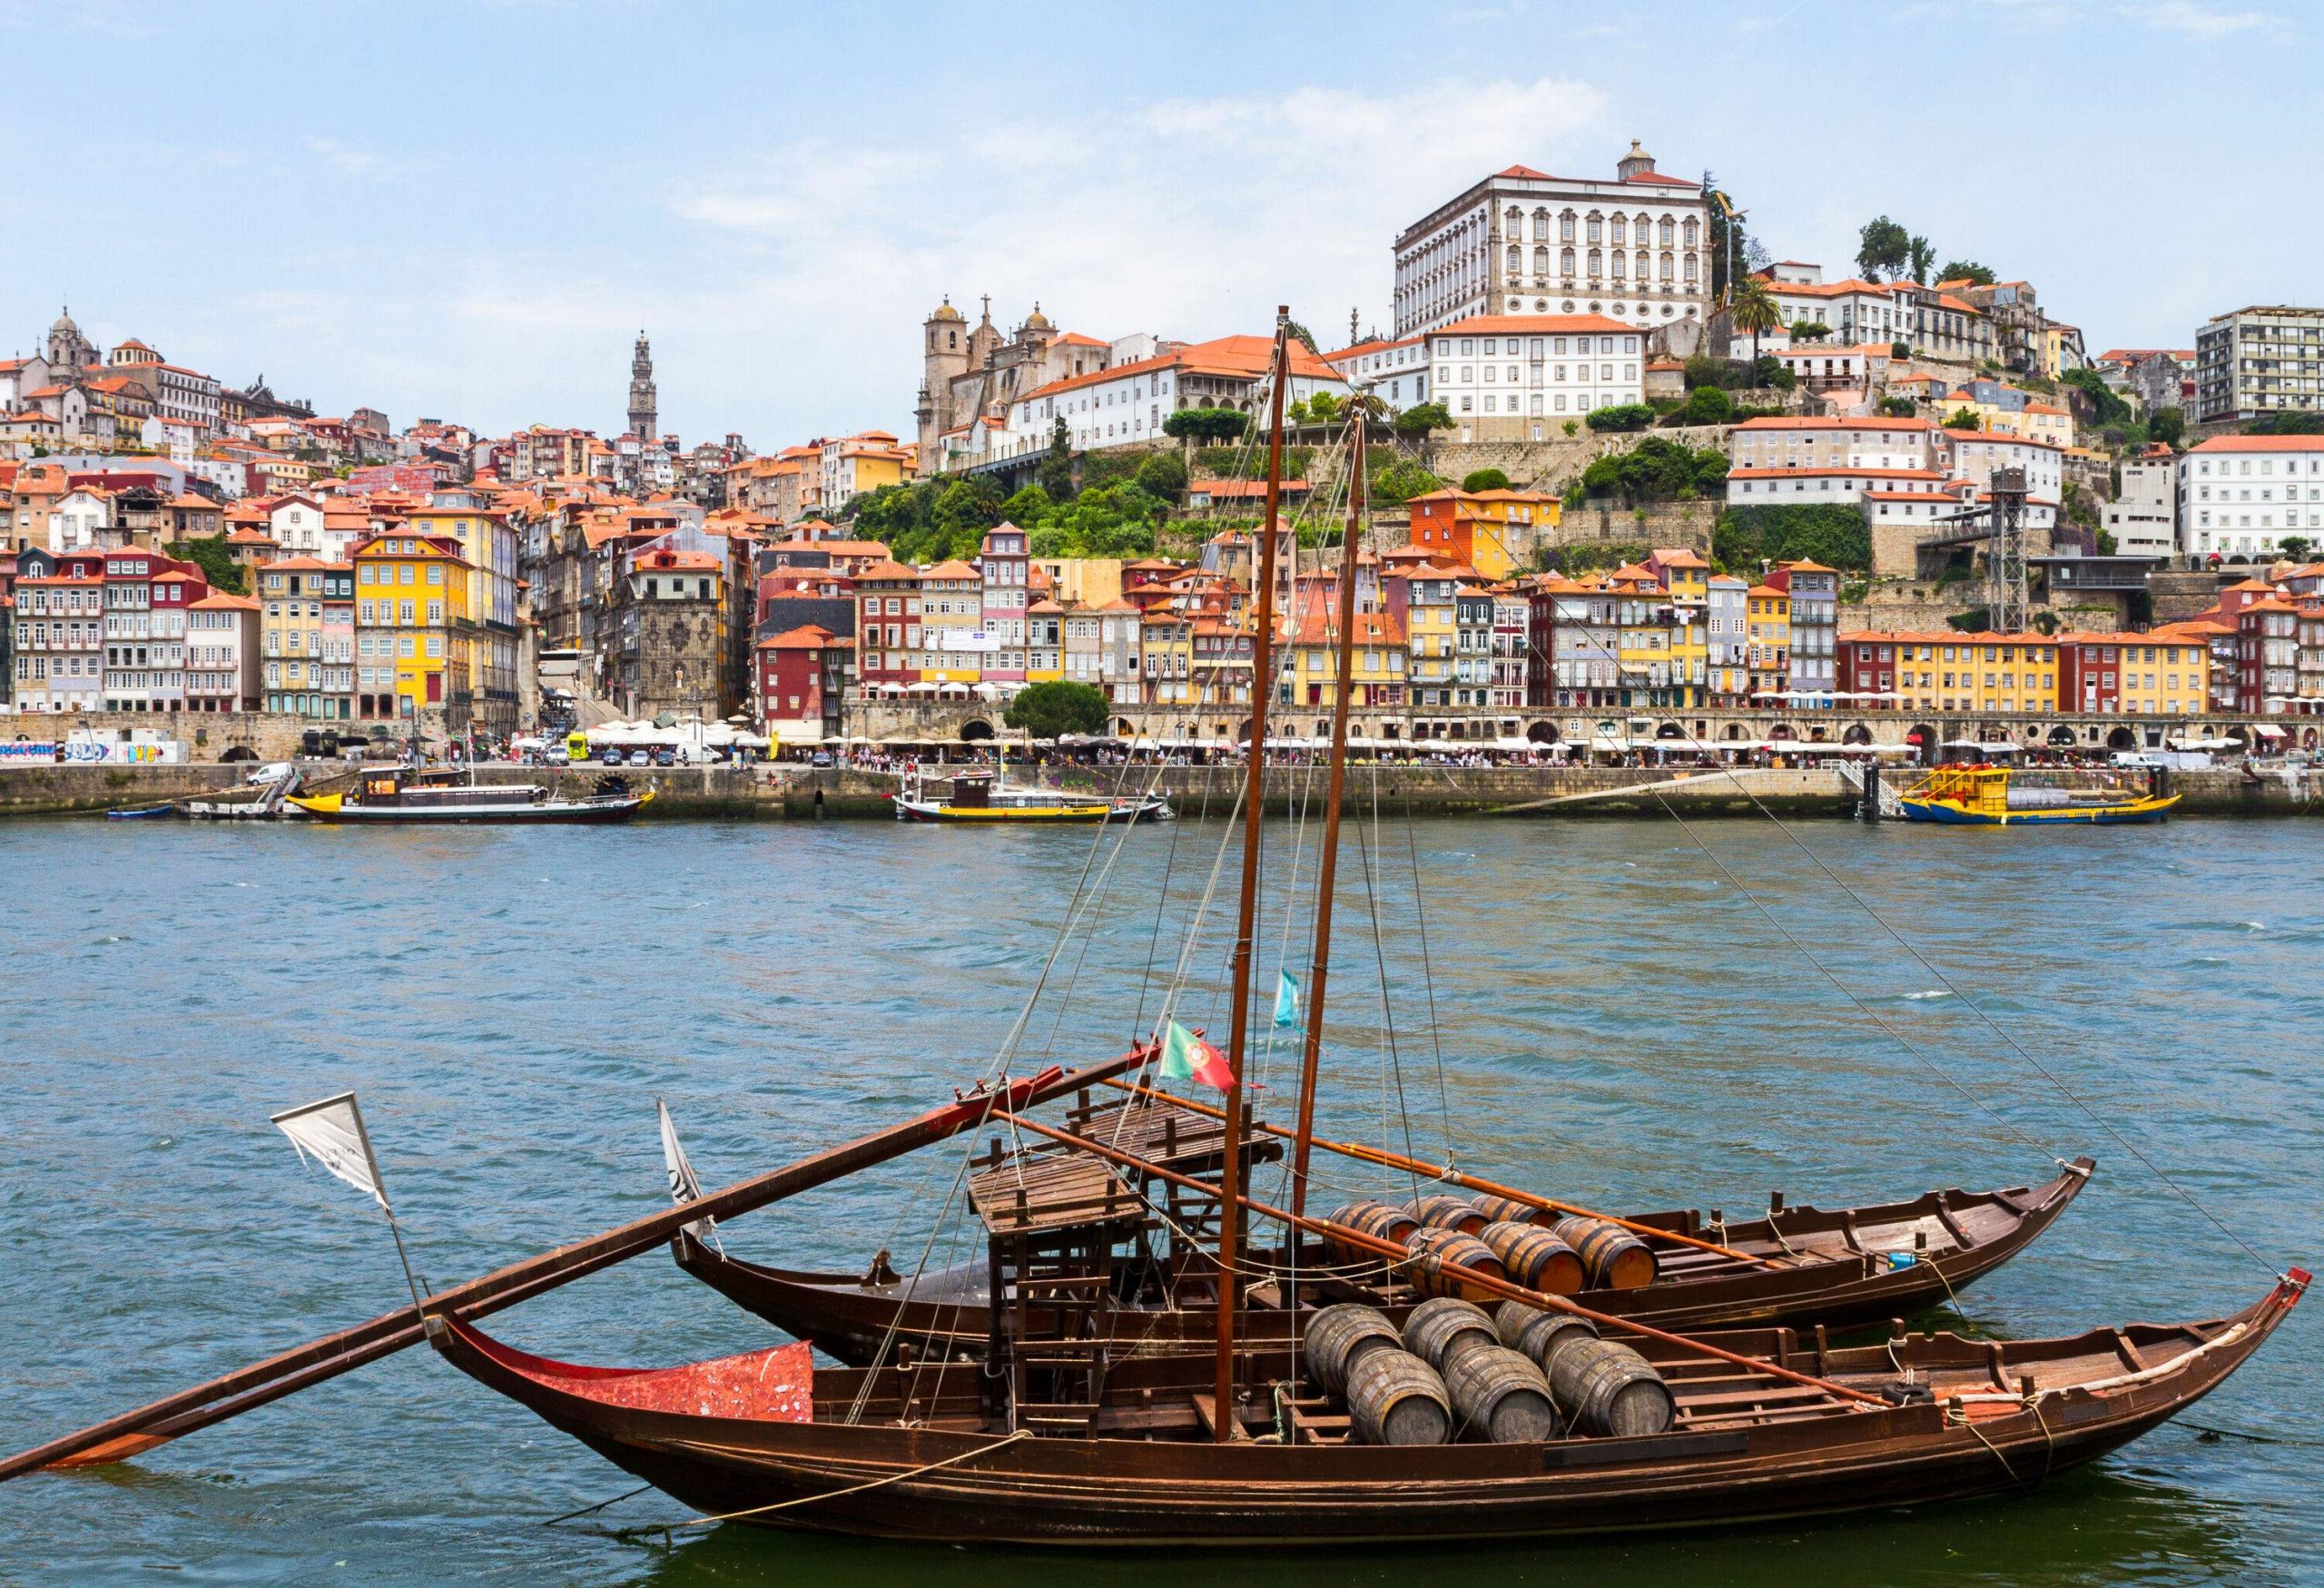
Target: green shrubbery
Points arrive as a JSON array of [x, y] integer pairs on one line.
[[1828, 533]]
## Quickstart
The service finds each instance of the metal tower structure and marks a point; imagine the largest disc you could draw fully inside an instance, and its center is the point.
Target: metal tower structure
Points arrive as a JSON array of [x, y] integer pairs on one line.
[[2007, 603]]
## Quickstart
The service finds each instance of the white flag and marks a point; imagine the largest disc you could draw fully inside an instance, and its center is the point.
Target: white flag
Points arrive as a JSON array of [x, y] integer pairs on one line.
[[331, 1133], [684, 1187]]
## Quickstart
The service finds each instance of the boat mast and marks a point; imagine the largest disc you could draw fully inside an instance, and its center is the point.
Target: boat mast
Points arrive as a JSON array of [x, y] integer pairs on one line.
[[1223, 1426], [1326, 877]]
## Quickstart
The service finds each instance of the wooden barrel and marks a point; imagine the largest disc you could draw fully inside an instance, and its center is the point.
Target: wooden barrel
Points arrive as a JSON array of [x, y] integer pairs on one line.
[[1432, 1249], [1539, 1335], [1395, 1398], [1340, 1337], [1500, 1397], [1507, 1210], [1442, 1211], [1381, 1220], [1535, 1258], [1435, 1329], [1616, 1260], [1603, 1387]]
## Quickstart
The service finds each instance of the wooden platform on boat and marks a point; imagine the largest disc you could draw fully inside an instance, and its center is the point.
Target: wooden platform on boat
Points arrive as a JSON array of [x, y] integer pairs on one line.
[[1168, 1135], [1035, 1193]]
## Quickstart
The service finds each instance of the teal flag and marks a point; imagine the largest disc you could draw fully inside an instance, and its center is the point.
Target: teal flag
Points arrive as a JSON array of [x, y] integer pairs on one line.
[[1286, 1001]]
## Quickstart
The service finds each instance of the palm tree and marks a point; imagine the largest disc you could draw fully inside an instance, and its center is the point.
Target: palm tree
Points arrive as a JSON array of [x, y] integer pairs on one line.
[[1751, 307]]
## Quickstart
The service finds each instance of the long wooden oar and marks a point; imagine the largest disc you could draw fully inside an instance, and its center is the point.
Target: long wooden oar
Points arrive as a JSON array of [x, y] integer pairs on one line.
[[317, 1360], [1445, 1171], [1489, 1283]]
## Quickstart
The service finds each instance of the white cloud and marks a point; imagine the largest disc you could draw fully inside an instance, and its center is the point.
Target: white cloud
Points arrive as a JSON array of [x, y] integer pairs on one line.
[[1187, 217], [2203, 21], [345, 158]]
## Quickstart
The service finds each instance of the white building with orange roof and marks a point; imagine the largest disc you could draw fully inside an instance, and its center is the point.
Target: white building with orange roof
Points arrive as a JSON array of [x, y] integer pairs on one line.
[[2241, 497], [1523, 240], [1396, 370], [1126, 403]]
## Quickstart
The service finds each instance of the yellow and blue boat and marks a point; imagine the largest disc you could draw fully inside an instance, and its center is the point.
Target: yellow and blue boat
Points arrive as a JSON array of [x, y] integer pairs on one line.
[[1981, 796]]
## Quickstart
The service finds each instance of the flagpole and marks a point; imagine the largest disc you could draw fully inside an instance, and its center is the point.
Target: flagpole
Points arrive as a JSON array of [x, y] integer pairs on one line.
[[363, 1134]]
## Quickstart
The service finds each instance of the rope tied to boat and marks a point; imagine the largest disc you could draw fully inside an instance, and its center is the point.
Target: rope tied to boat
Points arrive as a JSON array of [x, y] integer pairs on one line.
[[666, 1529]]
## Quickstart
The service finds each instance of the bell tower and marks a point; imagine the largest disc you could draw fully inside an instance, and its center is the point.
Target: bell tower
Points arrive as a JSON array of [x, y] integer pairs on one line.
[[643, 419], [944, 354]]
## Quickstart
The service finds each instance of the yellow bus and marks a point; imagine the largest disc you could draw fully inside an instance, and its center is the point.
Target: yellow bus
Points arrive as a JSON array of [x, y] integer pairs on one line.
[[576, 747]]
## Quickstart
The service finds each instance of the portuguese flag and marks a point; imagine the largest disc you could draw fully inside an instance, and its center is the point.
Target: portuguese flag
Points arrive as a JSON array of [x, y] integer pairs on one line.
[[1186, 1057]]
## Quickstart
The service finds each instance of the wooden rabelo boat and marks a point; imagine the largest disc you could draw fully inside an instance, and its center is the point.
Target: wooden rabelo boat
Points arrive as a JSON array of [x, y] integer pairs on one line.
[[1796, 1265], [765, 1439], [1982, 796]]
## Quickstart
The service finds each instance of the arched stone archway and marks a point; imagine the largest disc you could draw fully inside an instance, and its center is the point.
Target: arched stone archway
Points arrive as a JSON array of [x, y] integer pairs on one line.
[[1921, 739], [976, 730], [2241, 735], [1857, 734], [1818, 734], [1124, 728], [2062, 737], [1783, 731], [1670, 731], [1734, 732], [1546, 734], [2122, 739]]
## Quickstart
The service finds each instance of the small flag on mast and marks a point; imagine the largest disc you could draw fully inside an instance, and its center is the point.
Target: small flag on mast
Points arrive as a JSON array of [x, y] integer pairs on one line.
[[1286, 1001], [684, 1187], [1186, 1057], [331, 1133]]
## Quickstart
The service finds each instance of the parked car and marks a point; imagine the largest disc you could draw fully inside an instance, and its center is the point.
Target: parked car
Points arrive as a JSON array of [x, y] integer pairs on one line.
[[820, 758], [665, 756], [272, 771], [612, 756], [640, 758]]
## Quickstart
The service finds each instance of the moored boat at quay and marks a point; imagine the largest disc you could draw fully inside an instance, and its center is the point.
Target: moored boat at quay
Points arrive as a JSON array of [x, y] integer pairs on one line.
[[400, 795], [984, 796], [1985, 796]]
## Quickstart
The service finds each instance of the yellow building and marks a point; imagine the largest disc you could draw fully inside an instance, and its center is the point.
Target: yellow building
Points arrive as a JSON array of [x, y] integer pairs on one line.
[[1767, 612], [412, 634], [1685, 583], [291, 632], [1494, 532], [489, 543], [1376, 671], [2164, 672], [1973, 673], [1431, 621], [1643, 626]]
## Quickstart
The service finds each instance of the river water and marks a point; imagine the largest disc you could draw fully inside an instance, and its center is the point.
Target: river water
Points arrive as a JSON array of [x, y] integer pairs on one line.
[[1615, 1019]]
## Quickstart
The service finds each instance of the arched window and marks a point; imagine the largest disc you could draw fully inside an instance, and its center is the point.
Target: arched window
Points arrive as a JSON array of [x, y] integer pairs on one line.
[[1540, 261], [1669, 226], [1690, 268], [1516, 259], [1541, 225], [1691, 223], [1596, 262], [1597, 227], [1669, 265], [1621, 225], [1565, 227], [1565, 262], [1516, 227], [1646, 228]]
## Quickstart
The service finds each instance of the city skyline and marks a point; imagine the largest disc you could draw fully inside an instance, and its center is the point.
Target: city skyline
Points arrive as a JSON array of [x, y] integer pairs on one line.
[[455, 232]]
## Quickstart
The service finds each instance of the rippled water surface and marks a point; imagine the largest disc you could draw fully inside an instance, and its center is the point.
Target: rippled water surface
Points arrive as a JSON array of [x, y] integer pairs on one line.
[[1615, 1020]]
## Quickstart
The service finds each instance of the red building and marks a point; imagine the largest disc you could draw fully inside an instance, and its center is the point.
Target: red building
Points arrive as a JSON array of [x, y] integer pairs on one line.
[[2089, 672], [2267, 655], [802, 682], [1867, 663], [887, 626]]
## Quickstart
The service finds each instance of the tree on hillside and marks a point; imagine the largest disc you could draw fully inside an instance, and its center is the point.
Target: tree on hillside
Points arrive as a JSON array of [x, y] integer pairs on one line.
[[2296, 546], [208, 553], [1046, 710], [2168, 425], [1478, 480], [1206, 424], [1054, 472], [1923, 256], [1414, 423], [1966, 269], [1704, 405], [1162, 474], [1964, 419], [1885, 250], [1302, 335], [1809, 330], [1753, 309]]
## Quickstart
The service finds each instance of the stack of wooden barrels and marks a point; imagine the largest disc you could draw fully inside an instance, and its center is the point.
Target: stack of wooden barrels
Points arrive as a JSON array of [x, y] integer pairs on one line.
[[1501, 1237], [1520, 1375]]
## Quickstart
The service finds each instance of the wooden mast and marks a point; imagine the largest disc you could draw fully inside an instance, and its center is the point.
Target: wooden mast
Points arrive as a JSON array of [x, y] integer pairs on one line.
[[1319, 962], [1224, 1424]]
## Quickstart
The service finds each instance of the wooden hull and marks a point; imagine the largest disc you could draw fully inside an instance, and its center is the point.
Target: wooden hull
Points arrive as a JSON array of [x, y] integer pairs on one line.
[[1724, 1465], [2150, 809], [947, 1314]]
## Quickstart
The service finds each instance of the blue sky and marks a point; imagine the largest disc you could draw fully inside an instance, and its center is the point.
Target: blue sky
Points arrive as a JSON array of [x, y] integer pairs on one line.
[[468, 210]]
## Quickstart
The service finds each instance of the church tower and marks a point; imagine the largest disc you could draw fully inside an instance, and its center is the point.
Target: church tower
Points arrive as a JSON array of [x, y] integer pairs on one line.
[[943, 356], [68, 349], [642, 417]]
